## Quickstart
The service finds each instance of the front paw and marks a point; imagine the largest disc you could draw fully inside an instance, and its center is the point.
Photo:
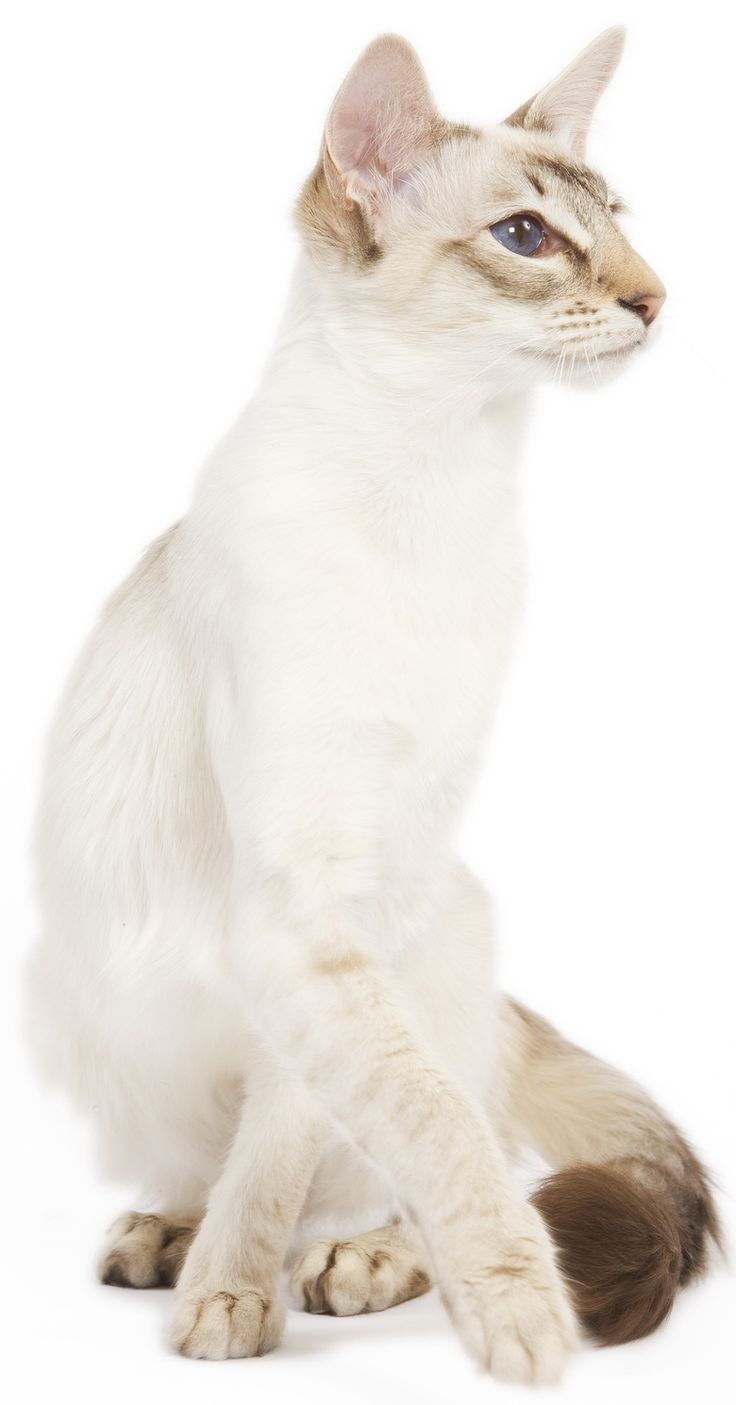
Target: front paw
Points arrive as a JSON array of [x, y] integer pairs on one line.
[[514, 1316], [213, 1326]]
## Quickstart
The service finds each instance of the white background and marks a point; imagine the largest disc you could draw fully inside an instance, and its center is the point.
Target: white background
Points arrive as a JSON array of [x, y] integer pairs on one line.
[[152, 150]]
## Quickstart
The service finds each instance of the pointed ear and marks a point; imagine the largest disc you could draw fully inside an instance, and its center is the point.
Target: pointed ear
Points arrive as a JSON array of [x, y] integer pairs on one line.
[[381, 123], [564, 108]]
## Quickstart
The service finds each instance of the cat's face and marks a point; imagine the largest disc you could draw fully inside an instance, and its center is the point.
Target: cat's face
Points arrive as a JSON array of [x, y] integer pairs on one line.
[[499, 251]]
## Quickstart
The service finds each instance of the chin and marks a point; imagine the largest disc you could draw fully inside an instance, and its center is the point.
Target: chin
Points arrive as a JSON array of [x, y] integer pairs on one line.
[[588, 369]]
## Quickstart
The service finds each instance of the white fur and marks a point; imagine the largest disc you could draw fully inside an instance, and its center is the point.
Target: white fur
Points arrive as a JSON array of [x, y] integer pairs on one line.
[[248, 878], [363, 631]]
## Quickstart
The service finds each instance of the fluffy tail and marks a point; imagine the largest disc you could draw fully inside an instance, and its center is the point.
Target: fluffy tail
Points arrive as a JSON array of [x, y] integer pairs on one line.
[[630, 1206]]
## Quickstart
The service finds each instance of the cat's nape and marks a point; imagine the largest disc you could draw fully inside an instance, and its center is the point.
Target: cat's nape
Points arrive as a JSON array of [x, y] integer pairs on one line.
[[263, 968]]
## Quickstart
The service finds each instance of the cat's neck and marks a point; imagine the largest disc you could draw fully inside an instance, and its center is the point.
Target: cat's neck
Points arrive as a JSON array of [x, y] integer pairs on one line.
[[345, 379]]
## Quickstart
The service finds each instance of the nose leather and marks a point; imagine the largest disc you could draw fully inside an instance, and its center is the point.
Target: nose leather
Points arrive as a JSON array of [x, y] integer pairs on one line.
[[645, 305]]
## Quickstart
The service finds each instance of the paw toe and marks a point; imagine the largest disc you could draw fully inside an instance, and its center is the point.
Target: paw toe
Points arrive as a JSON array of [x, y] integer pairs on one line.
[[220, 1326], [344, 1279], [144, 1251]]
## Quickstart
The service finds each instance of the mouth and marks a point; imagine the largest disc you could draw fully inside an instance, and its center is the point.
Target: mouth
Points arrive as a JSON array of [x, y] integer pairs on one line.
[[585, 356], [619, 351]]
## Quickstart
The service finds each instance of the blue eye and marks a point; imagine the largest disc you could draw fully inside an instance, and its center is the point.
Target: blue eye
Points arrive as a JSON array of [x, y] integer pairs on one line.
[[522, 234]]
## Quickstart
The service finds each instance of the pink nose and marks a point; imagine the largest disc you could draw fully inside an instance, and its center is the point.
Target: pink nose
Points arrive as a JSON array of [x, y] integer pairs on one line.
[[645, 305]]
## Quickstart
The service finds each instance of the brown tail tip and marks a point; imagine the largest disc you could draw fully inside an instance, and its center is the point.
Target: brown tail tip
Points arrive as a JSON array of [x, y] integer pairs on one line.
[[624, 1249]]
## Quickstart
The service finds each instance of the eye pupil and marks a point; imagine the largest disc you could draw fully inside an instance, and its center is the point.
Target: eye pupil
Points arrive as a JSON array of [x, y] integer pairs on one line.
[[522, 234]]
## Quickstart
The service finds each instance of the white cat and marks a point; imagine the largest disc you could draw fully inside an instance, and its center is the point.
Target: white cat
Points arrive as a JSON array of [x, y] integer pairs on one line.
[[263, 968]]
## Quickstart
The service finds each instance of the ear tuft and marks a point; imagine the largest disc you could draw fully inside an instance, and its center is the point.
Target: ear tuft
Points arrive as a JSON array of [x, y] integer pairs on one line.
[[565, 107]]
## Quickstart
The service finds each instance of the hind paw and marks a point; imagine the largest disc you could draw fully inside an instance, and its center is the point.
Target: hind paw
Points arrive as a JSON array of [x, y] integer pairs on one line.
[[145, 1251], [366, 1274]]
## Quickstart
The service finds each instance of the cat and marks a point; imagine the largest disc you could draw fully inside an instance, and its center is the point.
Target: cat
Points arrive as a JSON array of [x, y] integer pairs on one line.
[[262, 968]]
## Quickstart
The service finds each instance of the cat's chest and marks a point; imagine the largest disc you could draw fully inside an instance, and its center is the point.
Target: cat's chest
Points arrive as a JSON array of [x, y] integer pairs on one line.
[[438, 609], [437, 646], [378, 624]]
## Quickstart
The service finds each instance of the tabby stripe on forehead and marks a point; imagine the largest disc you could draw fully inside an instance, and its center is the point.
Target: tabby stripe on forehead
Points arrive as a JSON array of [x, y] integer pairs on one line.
[[579, 176]]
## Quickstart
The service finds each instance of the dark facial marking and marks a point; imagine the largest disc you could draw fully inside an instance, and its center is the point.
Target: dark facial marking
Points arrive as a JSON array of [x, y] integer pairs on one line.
[[574, 175], [534, 181], [580, 255], [517, 280]]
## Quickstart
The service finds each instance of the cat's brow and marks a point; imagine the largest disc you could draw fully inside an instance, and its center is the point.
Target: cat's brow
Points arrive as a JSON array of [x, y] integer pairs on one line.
[[580, 177]]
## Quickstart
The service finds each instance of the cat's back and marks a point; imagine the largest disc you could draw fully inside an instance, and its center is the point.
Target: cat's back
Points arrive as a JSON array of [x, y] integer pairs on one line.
[[132, 859], [128, 790]]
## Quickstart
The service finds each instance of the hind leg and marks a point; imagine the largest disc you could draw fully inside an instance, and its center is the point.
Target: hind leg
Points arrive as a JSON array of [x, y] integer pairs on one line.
[[367, 1273], [146, 1251]]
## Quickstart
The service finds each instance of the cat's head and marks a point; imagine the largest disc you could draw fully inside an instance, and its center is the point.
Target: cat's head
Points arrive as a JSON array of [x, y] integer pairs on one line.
[[499, 250]]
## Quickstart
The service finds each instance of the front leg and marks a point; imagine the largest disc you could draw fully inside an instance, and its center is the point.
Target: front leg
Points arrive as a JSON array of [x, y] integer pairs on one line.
[[227, 1295], [308, 804], [338, 1020]]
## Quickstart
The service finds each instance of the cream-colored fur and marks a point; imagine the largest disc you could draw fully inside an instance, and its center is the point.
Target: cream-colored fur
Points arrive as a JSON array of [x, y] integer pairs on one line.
[[365, 1274], [262, 967]]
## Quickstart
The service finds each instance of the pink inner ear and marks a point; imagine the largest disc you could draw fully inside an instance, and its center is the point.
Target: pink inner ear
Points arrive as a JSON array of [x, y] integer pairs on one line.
[[351, 137], [382, 114]]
